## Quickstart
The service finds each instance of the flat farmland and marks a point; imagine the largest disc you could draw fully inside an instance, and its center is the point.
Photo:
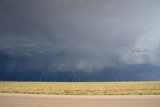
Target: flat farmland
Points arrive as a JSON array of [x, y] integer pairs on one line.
[[82, 88]]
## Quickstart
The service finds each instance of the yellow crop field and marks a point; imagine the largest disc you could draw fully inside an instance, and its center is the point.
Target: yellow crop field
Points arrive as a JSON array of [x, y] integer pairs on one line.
[[82, 88]]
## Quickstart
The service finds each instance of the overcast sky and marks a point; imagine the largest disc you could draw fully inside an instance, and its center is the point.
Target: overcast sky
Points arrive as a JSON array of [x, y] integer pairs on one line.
[[73, 35]]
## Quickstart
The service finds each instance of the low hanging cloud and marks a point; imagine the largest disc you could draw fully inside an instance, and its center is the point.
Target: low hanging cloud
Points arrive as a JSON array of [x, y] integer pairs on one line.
[[69, 35]]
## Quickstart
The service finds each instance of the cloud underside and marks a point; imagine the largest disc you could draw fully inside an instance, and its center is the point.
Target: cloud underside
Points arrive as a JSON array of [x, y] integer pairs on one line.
[[83, 35]]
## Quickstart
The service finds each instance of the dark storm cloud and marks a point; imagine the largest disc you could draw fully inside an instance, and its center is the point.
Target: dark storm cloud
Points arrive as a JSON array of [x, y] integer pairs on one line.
[[69, 35]]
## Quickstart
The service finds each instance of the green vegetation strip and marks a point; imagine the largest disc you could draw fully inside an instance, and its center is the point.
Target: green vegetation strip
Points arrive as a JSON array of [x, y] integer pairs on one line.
[[82, 88]]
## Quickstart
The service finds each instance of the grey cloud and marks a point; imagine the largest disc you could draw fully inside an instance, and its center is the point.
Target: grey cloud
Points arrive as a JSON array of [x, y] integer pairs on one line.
[[80, 35]]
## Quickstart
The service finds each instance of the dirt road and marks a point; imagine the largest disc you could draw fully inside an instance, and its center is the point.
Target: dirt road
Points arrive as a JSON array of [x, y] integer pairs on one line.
[[24, 100]]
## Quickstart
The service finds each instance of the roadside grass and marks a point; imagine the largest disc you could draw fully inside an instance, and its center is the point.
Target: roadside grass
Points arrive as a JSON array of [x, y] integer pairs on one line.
[[82, 88]]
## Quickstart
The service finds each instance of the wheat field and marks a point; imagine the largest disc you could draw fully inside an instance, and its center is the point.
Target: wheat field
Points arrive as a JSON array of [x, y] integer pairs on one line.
[[82, 88]]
